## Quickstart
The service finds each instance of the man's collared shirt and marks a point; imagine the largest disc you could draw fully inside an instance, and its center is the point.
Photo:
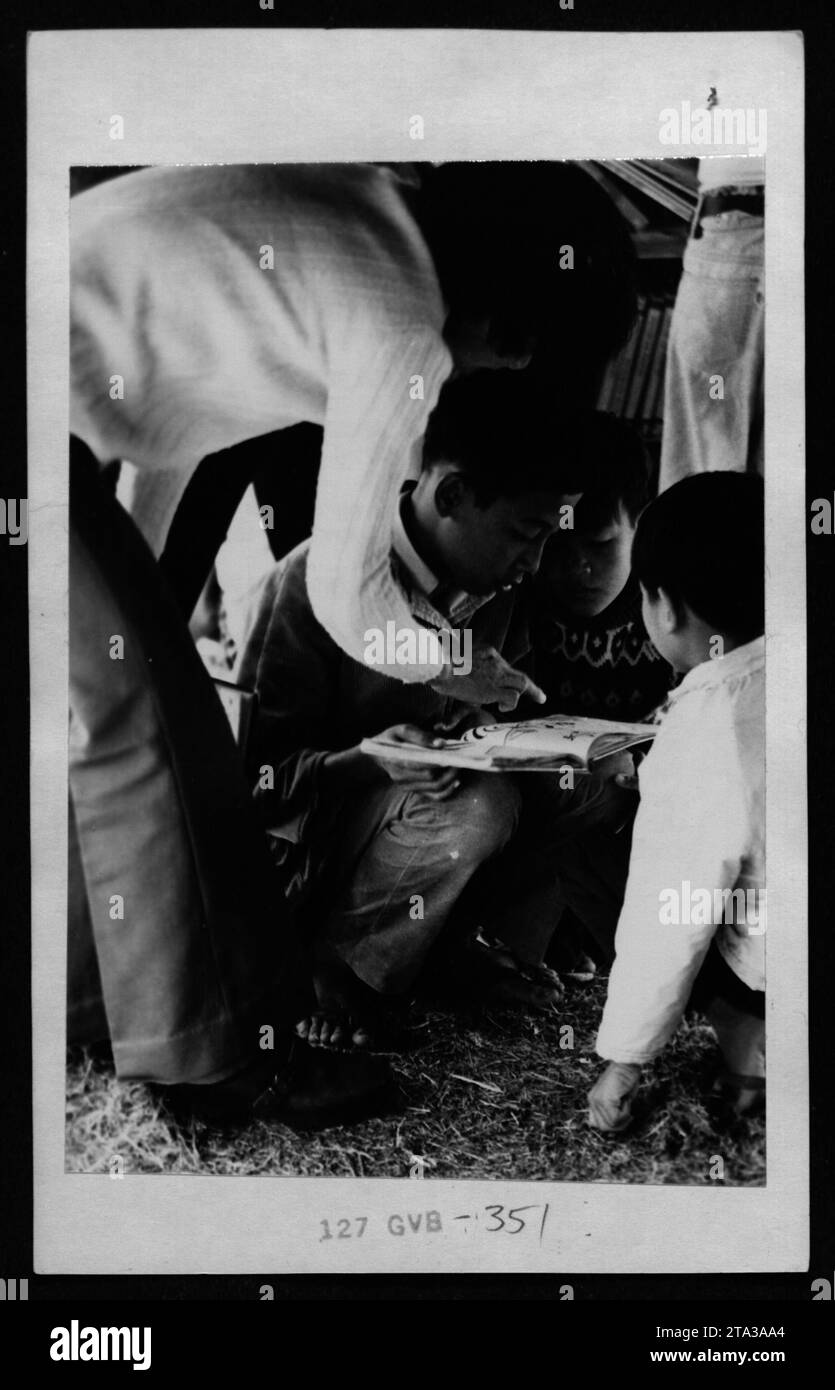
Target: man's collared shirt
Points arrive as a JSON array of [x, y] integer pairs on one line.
[[313, 699], [431, 603]]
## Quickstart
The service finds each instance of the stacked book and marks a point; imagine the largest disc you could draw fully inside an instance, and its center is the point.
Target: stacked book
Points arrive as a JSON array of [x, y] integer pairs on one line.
[[633, 387]]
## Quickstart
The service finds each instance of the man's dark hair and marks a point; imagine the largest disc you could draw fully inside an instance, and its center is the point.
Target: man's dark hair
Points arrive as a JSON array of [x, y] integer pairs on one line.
[[497, 233], [703, 542], [617, 470], [501, 429]]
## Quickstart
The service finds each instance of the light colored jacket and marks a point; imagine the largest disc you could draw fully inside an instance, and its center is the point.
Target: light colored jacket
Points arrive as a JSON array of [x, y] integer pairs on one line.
[[699, 833], [238, 300]]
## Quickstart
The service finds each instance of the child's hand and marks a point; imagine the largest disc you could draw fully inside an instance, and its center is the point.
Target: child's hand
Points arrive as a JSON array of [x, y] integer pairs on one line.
[[610, 1099], [619, 768], [436, 782], [630, 781]]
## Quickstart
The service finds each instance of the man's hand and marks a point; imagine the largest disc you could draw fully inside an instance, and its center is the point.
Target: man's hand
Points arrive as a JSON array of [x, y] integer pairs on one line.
[[610, 1099], [435, 782], [492, 681]]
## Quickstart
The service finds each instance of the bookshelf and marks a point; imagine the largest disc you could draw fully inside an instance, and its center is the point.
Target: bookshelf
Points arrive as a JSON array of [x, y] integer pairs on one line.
[[657, 198]]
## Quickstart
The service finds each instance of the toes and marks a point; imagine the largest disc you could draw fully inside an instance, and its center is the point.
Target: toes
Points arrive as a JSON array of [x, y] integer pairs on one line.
[[329, 1030]]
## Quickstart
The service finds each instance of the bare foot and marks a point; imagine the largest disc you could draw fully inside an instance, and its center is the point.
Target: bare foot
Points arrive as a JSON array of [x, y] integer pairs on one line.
[[333, 1028], [349, 1015]]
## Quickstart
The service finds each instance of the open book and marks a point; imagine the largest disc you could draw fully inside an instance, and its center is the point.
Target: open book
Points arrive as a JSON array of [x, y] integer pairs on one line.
[[532, 745]]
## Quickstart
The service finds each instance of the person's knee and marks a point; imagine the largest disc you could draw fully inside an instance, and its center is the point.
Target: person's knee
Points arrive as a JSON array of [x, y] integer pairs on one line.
[[474, 823], [488, 810]]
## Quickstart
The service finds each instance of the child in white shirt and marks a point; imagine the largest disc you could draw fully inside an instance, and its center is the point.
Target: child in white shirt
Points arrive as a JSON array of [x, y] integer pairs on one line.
[[694, 910]]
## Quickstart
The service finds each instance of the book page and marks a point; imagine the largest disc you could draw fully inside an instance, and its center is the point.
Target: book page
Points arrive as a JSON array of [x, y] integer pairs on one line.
[[567, 736]]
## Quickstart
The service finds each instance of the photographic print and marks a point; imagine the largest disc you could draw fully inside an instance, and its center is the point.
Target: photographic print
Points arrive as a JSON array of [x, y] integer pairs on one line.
[[418, 593]]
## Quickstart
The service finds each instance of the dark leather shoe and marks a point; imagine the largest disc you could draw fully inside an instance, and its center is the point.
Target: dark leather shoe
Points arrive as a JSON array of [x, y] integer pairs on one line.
[[309, 1090], [317, 1088]]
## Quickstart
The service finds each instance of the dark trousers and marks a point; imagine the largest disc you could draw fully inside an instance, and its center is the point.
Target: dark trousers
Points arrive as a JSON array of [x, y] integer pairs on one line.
[[179, 950], [737, 1015], [283, 468], [717, 980], [566, 865]]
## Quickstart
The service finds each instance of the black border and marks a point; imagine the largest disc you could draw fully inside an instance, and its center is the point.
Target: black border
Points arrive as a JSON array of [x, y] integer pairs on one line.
[[817, 22]]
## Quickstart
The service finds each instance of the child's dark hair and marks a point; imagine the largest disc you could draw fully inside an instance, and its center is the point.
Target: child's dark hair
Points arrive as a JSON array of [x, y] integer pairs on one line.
[[617, 470], [501, 430], [703, 542]]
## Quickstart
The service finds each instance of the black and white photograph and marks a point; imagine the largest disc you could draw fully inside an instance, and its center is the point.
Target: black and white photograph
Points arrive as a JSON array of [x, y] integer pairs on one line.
[[417, 514]]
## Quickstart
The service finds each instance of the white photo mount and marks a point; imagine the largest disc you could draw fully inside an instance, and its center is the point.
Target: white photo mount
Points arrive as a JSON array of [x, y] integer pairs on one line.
[[262, 94]]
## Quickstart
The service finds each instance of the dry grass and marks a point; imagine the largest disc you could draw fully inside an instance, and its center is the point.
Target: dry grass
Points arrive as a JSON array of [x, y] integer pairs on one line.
[[530, 1123]]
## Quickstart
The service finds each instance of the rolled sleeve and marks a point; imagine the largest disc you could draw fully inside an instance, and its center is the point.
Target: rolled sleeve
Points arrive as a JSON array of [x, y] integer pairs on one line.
[[373, 433]]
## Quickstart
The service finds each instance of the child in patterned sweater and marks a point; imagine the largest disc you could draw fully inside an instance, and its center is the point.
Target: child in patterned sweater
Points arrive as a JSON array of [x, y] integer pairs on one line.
[[591, 651]]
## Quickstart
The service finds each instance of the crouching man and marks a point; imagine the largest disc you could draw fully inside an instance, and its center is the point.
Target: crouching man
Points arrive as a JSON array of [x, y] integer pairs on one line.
[[377, 853]]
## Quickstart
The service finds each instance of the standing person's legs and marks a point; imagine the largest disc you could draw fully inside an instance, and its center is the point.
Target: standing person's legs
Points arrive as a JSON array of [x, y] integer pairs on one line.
[[174, 877], [201, 522], [285, 468], [717, 333], [86, 1016]]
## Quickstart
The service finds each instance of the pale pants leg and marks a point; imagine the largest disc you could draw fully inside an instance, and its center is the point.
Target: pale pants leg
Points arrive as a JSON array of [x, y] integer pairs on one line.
[[172, 944], [717, 331]]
